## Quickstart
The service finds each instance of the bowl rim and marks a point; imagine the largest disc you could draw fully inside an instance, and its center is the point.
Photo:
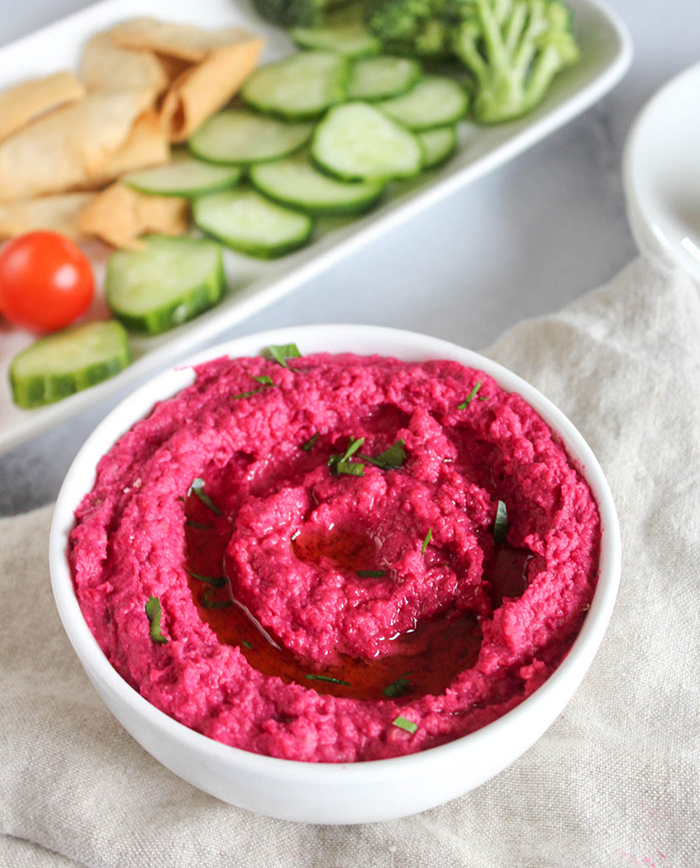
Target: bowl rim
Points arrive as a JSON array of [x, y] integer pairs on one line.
[[81, 476]]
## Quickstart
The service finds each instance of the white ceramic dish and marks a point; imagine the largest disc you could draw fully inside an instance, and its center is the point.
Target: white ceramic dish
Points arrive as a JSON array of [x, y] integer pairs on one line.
[[605, 56], [662, 173], [329, 793]]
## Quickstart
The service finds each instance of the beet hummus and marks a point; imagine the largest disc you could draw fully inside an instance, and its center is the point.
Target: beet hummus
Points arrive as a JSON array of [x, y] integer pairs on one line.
[[336, 558]]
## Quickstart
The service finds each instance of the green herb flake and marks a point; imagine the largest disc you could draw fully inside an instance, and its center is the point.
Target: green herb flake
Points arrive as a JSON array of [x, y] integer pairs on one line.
[[371, 574], [328, 679], [197, 488], [281, 352], [197, 525], [246, 644], [426, 541], [208, 603], [263, 379], [214, 581], [391, 458], [342, 463], [470, 397], [153, 614], [308, 446], [500, 525], [406, 725], [350, 468], [397, 688], [246, 394], [181, 498]]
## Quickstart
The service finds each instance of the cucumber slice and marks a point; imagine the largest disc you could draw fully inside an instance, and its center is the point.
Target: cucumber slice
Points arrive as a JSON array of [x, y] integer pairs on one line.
[[438, 145], [433, 102], [381, 77], [301, 87], [358, 142], [344, 33], [250, 223], [69, 361], [167, 283], [297, 183], [240, 137], [184, 176]]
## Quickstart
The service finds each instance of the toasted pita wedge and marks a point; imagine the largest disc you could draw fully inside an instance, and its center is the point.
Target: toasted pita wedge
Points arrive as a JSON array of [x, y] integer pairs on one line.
[[120, 215], [28, 100], [174, 40], [206, 87], [106, 66], [56, 213], [70, 145], [146, 146]]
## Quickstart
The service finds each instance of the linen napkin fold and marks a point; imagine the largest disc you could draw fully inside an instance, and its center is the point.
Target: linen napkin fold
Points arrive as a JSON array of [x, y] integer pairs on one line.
[[614, 782]]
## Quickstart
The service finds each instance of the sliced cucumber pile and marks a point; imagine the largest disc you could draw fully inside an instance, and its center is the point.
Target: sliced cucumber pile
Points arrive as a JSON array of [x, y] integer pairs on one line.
[[434, 102], [240, 137], [167, 283], [344, 33], [358, 142], [301, 87], [375, 78], [297, 183], [184, 176], [250, 223], [438, 145], [61, 364]]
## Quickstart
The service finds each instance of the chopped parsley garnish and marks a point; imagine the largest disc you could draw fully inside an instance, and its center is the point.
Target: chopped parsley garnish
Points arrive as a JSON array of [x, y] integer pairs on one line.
[[500, 526], [246, 394], [208, 603], [246, 644], [328, 679], [426, 541], [307, 447], [153, 615], [391, 458], [197, 488], [371, 574], [214, 581], [470, 397], [407, 725], [281, 352], [197, 525], [342, 463], [399, 687], [181, 498]]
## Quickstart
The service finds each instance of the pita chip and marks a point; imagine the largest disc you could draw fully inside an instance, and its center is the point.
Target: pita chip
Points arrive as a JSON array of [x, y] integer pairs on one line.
[[59, 213], [29, 99], [174, 40], [106, 66], [206, 87], [70, 145], [146, 146], [120, 215]]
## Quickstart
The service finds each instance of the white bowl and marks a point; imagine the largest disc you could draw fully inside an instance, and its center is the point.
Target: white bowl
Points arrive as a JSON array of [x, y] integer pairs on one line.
[[661, 169], [332, 793]]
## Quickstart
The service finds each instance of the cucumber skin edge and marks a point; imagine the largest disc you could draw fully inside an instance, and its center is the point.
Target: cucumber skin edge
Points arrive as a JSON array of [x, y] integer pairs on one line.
[[348, 210], [206, 296], [201, 191], [40, 392], [243, 164]]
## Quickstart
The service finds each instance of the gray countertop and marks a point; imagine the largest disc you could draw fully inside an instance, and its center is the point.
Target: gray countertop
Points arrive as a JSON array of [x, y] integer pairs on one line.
[[521, 242]]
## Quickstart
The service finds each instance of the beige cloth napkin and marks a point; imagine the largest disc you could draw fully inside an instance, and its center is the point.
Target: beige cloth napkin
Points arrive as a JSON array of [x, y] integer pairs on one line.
[[615, 781]]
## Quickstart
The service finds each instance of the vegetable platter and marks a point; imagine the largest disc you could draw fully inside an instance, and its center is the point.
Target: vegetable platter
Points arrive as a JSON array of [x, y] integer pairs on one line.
[[322, 180]]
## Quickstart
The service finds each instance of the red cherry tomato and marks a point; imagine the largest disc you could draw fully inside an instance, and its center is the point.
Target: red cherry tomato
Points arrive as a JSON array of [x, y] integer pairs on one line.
[[46, 282]]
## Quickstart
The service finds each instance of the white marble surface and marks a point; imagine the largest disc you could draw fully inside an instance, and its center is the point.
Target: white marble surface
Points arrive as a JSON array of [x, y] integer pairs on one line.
[[522, 242]]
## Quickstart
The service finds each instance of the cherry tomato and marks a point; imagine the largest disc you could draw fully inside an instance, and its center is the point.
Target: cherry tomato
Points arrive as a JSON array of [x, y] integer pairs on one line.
[[46, 282]]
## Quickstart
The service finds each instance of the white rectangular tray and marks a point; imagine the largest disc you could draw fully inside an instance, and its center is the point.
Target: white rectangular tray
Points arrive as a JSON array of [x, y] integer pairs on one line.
[[606, 53]]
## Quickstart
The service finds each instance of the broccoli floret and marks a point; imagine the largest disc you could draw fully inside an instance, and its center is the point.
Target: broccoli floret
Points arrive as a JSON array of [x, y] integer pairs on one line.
[[418, 27], [295, 13], [514, 48]]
